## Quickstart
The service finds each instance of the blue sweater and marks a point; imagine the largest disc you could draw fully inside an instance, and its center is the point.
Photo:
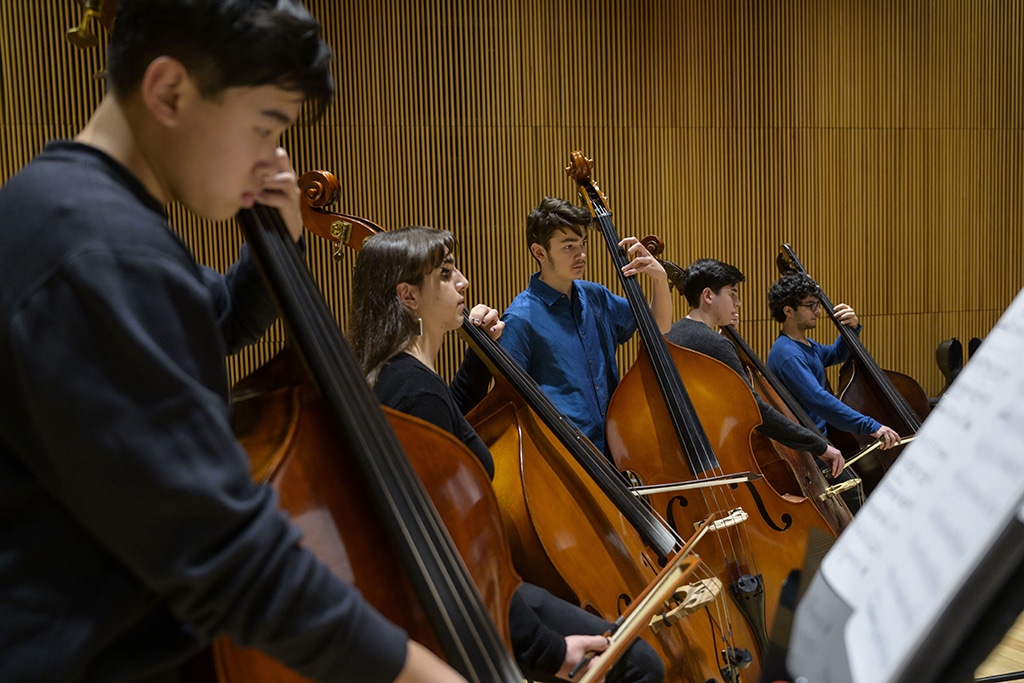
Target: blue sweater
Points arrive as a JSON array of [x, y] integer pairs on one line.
[[802, 368]]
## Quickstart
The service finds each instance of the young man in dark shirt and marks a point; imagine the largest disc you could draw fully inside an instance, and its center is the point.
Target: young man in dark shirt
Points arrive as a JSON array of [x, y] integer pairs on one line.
[[711, 288], [131, 531]]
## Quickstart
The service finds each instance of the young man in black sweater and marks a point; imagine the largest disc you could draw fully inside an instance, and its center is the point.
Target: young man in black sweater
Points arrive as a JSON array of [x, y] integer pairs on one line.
[[711, 288]]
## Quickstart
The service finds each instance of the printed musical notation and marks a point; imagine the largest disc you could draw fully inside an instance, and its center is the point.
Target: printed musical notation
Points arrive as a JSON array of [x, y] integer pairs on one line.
[[935, 516]]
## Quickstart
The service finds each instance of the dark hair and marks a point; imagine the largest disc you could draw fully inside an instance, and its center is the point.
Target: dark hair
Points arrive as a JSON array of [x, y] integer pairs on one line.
[[223, 44], [790, 290], [554, 214], [706, 273], [379, 324]]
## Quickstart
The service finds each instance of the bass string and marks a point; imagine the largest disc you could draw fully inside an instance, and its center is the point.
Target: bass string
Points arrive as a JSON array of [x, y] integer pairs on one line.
[[734, 541], [857, 348], [434, 565], [639, 512]]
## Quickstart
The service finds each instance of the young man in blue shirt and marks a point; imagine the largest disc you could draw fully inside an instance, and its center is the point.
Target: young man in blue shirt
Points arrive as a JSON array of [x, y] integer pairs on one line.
[[564, 330]]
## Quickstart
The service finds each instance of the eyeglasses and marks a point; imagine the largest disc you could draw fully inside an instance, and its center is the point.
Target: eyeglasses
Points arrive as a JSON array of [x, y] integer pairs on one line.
[[815, 306]]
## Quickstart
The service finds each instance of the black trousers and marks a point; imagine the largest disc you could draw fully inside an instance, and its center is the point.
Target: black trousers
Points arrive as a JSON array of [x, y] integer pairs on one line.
[[639, 664]]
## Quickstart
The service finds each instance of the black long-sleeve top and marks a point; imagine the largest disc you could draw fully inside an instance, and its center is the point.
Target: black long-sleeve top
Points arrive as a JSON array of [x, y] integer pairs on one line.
[[131, 533], [407, 385]]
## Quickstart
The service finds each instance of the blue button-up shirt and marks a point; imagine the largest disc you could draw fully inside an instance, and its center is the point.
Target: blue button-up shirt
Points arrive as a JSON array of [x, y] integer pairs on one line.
[[567, 344]]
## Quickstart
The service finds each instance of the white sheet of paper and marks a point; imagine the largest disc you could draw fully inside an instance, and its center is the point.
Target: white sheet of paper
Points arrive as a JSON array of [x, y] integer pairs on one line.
[[937, 510]]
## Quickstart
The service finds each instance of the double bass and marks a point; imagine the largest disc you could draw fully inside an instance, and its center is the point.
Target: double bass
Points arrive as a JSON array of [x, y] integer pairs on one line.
[[567, 535], [345, 477], [892, 398], [790, 471], [658, 430], [813, 483]]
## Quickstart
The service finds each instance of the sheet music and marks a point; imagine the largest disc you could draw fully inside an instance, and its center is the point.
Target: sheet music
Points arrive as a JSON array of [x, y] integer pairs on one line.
[[933, 517]]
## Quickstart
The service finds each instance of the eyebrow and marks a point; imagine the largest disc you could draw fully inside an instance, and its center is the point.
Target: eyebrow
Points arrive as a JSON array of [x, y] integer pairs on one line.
[[278, 116]]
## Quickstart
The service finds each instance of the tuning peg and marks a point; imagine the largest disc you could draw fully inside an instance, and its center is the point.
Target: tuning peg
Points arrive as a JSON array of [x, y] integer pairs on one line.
[[83, 35]]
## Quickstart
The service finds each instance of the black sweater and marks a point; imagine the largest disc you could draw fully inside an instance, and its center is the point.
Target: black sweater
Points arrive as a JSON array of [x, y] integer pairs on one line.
[[696, 336], [131, 530]]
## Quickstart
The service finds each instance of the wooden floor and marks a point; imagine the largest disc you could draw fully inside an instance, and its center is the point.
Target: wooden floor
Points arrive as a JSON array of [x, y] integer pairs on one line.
[[1008, 657]]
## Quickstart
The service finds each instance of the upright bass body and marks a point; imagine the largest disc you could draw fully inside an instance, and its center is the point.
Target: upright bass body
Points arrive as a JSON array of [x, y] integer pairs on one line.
[[283, 423], [361, 457], [766, 537], [810, 481], [858, 388], [567, 536], [792, 473], [664, 430], [801, 472]]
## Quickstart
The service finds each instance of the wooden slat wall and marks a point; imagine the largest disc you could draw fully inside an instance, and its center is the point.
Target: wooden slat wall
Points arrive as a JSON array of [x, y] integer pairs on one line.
[[881, 139]]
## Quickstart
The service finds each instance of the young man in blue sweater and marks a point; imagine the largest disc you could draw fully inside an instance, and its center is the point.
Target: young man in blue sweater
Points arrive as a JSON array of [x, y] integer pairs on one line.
[[800, 362]]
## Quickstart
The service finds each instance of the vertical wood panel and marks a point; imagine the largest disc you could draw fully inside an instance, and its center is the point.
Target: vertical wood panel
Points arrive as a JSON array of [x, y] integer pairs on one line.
[[882, 140]]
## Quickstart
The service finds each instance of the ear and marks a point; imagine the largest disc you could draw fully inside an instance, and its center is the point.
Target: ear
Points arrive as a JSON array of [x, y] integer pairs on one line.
[[165, 86], [539, 252], [705, 296], [408, 295], [788, 311]]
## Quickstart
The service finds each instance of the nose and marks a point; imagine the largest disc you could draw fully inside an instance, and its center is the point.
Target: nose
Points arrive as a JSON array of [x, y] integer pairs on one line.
[[265, 168], [272, 156]]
